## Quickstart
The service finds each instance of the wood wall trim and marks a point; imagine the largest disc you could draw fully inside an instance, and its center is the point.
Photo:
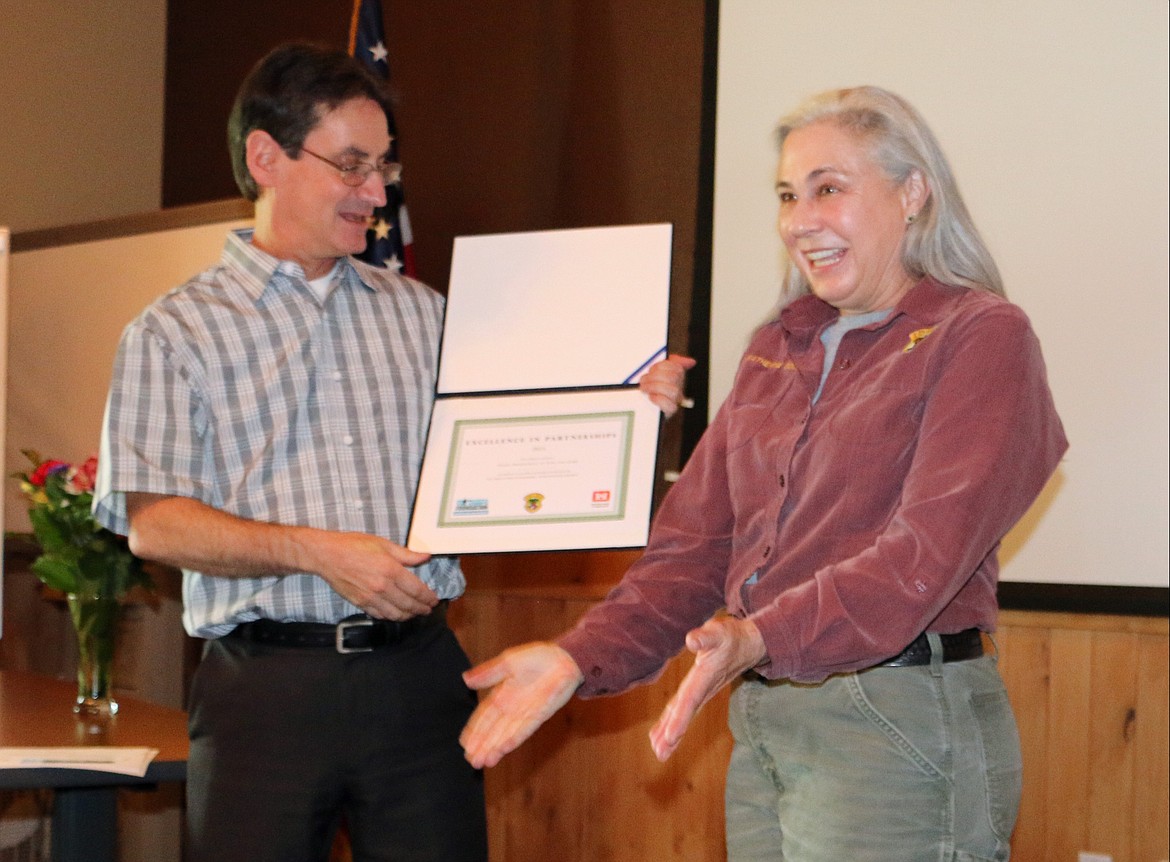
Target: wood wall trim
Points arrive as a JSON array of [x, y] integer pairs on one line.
[[1055, 620], [131, 225]]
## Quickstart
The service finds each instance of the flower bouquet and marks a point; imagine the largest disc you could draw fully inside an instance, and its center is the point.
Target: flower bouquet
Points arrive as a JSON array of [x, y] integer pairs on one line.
[[92, 566]]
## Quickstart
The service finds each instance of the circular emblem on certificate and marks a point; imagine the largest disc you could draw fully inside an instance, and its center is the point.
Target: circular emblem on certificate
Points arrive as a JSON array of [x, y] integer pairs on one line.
[[533, 502]]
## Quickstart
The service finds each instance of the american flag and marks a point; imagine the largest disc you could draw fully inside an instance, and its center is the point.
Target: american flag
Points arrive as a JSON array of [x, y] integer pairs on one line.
[[388, 242]]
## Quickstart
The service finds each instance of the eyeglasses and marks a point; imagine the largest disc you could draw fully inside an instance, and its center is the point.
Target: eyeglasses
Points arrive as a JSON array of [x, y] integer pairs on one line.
[[357, 173]]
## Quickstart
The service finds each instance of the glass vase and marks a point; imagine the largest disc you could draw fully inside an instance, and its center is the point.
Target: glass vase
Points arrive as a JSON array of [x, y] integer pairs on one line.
[[95, 619]]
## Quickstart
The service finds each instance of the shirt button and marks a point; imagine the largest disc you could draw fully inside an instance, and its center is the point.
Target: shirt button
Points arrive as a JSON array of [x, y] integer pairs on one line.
[[336, 375], [845, 363], [359, 504], [767, 550], [781, 480], [347, 440]]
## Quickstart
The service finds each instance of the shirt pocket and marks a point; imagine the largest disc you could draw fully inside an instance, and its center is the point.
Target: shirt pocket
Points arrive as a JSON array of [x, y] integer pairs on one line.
[[764, 397], [873, 429]]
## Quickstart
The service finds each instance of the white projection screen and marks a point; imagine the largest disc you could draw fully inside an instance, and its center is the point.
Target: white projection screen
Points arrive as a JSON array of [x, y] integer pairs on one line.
[[1054, 117]]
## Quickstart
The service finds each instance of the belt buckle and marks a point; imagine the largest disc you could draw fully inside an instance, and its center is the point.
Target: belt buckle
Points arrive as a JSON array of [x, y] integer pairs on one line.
[[343, 627]]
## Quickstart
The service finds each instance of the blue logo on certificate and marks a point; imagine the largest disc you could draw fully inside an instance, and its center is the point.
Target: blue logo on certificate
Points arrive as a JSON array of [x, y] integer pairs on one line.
[[471, 507]]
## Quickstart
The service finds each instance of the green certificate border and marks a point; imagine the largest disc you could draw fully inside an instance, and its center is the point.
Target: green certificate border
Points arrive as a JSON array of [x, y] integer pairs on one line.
[[621, 483]]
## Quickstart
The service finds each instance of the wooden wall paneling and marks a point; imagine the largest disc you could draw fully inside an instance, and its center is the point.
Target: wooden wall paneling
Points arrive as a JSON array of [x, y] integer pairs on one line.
[[1111, 716], [209, 51], [1090, 694], [1025, 666], [587, 785], [1152, 746], [677, 809], [1066, 759], [535, 800]]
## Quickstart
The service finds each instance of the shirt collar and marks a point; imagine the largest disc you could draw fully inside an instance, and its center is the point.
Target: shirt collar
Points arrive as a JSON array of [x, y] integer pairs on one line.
[[929, 300], [925, 302], [255, 268]]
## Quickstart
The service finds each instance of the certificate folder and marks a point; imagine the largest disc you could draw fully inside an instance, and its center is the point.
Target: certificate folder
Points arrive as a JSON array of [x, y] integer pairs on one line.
[[539, 438]]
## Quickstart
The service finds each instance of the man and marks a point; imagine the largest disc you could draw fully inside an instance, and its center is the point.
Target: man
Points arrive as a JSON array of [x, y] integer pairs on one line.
[[263, 433]]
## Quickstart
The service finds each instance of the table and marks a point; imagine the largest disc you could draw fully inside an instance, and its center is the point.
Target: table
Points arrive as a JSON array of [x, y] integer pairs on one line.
[[36, 711]]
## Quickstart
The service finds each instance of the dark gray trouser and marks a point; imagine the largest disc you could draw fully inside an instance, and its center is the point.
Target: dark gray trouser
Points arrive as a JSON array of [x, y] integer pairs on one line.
[[286, 740]]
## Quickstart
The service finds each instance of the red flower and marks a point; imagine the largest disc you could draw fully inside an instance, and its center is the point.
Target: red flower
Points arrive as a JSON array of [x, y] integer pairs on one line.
[[44, 470]]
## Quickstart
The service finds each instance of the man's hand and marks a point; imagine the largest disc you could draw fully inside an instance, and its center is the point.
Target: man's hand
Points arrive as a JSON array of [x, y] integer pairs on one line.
[[371, 573], [531, 683], [724, 648], [664, 382]]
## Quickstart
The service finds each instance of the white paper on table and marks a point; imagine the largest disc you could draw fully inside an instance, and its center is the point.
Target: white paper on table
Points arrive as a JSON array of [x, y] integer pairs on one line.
[[555, 309], [98, 758]]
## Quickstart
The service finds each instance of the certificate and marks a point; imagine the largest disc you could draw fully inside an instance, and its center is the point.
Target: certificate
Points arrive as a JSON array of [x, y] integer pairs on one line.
[[543, 471], [539, 438], [535, 469]]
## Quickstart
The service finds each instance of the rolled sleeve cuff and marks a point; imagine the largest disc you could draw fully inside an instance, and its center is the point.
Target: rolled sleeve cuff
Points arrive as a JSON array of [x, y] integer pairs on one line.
[[109, 510]]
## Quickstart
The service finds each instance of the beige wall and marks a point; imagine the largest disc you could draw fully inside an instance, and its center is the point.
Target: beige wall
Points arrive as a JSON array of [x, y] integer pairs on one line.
[[81, 110], [68, 305], [81, 131]]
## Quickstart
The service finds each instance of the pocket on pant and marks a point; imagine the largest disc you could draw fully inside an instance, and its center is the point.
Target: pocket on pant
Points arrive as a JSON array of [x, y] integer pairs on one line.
[[904, 709], [1003, 764]]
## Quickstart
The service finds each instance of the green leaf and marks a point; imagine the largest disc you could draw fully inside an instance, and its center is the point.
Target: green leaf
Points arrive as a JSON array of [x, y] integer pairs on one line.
[[48, 531], [56, 573]]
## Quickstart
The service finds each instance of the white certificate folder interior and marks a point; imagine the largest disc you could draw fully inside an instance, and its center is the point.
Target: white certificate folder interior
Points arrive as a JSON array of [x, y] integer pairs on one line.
[[539, 439]]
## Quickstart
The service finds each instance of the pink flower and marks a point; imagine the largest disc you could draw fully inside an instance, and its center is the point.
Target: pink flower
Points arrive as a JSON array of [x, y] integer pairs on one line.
[[82, 478], [44, 470]]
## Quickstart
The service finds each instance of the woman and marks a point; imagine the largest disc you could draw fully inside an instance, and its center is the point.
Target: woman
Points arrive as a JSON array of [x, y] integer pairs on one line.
[[883, 433]]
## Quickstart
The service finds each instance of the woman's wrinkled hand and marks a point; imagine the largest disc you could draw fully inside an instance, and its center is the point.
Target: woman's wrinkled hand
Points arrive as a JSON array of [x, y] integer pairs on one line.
[[724, 648], [528, 684]]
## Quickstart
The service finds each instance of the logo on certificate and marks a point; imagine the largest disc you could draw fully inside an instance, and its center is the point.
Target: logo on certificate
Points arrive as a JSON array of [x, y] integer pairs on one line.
[[477, 506], [533, 502], [601, 496]]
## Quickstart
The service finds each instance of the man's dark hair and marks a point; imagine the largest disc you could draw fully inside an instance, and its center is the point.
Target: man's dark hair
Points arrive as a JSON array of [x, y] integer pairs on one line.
[[286, 94]]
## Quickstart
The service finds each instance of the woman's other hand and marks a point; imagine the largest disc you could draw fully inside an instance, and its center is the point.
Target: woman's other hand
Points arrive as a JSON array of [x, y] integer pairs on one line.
[[724, 648]]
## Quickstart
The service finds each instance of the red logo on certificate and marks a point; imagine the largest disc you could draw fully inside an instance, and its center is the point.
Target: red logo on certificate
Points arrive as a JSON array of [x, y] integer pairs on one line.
[[601, 496]]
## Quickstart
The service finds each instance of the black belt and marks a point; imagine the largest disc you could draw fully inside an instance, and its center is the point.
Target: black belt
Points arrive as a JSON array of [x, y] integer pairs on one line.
[[961, 646], [358, 633]]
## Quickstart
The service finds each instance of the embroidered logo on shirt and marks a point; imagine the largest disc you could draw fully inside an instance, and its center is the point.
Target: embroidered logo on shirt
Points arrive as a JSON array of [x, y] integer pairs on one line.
[[916, 336], [787, 364]]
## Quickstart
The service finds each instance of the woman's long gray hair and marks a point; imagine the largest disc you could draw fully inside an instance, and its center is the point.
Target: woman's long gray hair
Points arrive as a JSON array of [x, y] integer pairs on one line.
[[943, 241]]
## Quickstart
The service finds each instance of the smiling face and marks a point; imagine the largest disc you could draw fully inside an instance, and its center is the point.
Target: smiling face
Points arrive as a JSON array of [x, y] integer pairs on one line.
[[842, 218], [305, 212]]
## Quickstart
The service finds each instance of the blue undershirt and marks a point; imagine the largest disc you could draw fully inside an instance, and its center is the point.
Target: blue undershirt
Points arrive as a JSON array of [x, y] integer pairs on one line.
[[835, 331]]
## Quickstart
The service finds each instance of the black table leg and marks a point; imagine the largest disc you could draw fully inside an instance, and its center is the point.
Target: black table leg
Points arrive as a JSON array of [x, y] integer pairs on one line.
[[85, 824]]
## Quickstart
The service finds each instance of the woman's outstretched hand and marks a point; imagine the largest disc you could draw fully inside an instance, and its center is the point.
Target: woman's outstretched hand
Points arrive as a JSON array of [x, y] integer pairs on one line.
[[528, 684]]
